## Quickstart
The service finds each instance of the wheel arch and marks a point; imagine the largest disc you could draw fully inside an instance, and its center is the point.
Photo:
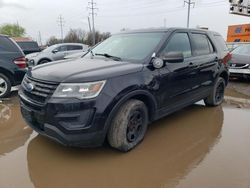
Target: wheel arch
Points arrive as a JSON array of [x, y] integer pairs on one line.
[[47, 59], [225, 76], [144, 96], [9, 74]]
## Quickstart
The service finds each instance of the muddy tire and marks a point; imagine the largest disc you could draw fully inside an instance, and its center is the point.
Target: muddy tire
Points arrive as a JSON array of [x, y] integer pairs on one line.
[[216, 97], [5, 86], [129, 126]]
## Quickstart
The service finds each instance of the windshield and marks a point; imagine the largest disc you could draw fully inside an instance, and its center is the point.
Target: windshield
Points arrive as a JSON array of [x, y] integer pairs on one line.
[[244, 50], [136, 46]]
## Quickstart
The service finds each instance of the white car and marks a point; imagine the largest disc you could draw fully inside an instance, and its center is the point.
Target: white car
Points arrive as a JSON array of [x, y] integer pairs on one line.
[[55, 53]]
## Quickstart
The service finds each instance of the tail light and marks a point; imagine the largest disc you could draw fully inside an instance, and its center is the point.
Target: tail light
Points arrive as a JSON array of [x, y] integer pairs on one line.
[[227, 58], [20, 62]]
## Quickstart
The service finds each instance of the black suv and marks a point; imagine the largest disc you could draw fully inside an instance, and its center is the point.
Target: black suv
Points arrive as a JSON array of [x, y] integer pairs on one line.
[[123, 84], [12, 65]]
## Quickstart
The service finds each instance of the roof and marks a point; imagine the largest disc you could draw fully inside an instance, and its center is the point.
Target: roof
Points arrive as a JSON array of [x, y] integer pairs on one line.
[[149, 30]]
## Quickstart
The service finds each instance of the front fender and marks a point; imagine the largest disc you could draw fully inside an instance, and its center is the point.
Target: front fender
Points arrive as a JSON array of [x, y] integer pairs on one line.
[[125, 95]]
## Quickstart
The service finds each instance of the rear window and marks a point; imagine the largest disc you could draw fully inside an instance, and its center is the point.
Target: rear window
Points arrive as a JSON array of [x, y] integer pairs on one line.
[[28, 45], [221, 42], [7, 45], [202, 44], [74, 47]]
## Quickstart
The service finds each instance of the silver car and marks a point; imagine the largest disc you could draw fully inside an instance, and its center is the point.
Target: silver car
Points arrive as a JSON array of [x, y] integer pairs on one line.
[[240, 62], [54, 53]]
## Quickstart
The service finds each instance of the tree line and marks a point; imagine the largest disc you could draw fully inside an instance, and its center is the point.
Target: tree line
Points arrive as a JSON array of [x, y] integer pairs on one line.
[[73, 36], [79, 36]]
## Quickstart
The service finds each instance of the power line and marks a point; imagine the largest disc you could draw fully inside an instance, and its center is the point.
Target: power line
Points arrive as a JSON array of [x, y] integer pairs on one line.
[[92, 8], [189, 3], [61, 24]]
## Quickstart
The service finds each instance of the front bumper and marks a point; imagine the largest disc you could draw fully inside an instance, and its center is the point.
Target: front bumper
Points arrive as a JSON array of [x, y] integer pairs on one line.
[[69, 122]]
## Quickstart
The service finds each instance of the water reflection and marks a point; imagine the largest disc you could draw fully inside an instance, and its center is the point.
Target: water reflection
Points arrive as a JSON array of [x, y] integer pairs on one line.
[[173, 146], [13, 131]]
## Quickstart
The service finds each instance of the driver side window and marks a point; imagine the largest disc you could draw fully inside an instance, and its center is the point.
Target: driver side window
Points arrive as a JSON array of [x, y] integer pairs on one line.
[[62, 49], [179, 43]]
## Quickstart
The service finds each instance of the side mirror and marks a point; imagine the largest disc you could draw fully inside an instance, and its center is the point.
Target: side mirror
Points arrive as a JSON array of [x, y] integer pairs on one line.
[[173, 57], [55, 51]]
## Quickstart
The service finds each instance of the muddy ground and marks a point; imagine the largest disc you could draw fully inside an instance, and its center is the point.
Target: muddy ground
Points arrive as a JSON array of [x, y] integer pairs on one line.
[[193, 148]]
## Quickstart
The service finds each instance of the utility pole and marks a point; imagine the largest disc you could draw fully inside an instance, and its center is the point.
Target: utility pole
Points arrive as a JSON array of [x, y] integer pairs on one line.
[[92, 7], [189, 3], [40, 38], [61, 24], [165, 22], [90, 30]]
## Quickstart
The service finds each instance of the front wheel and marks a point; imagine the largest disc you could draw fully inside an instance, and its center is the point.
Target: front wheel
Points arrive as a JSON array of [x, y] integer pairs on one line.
[[43, 62], [216, 96], [129, 126]]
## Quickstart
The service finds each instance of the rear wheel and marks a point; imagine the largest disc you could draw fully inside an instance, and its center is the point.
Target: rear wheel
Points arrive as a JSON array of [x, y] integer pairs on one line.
[[5, 86], [43, 61], [129, 126], [216, 97]]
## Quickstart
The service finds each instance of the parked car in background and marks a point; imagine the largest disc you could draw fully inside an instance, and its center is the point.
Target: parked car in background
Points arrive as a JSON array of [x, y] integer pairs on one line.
[[123, 84], [240, 62], [54, 53], [29, 47], [12, 65]]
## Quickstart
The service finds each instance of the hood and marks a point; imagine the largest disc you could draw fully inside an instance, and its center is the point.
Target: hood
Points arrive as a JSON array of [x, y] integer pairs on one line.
[[83, 70], [75, 55], [240, 59], [32, 55]]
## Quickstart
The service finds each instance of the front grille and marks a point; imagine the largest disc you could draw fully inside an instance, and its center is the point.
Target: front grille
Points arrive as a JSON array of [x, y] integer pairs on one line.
[[239, 65], [40, 91]]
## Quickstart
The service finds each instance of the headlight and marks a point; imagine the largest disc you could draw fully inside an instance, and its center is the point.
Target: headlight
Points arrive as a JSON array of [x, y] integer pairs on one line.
[[80, 91]]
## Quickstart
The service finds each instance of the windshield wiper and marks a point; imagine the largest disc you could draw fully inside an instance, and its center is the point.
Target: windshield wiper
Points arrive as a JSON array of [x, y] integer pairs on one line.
[[110, 56]]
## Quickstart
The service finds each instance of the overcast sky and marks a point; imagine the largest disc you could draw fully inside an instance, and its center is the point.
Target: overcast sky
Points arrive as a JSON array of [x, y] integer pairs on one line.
[[113, 15]]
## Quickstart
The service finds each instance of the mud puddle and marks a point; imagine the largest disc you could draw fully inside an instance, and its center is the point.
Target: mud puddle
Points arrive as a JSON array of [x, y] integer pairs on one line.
[[196, 147]]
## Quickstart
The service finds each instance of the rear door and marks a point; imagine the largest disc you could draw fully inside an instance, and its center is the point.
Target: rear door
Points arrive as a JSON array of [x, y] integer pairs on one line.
[[74, 49], [206, 59], [177, 80]]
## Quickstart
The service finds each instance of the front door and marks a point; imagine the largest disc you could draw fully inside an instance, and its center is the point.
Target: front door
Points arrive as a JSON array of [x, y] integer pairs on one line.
[[61, 53], [177, 80]]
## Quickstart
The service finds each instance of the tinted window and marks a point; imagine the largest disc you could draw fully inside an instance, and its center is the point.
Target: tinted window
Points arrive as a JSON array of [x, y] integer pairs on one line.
[[221, 42], [6, 45], [74, 47], [28, 45], [211, 46], [202, 46], [62, 48], [179, 43]]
